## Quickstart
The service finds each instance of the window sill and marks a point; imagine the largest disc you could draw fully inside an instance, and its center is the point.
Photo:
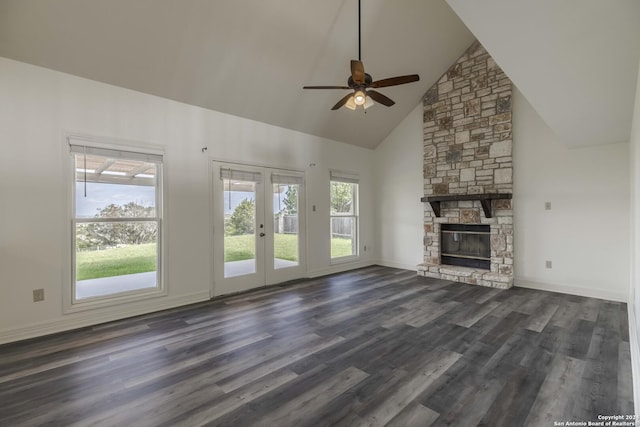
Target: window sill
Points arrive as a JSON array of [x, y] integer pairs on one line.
[[344, 260], [95, 303]]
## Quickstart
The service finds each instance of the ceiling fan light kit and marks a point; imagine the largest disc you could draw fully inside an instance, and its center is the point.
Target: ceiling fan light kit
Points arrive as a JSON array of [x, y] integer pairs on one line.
[[353, 102], [360, 82]]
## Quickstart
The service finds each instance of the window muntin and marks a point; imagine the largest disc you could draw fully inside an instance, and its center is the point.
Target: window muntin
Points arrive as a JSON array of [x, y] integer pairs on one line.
[[116, 223], [343, 216]]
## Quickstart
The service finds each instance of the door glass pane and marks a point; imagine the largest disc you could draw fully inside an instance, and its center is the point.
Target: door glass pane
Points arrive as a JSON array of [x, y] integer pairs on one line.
[[285, 225], [239, 227]]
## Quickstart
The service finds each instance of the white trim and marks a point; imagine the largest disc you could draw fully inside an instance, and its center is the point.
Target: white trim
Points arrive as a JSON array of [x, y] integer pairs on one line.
[[344, 259], [635, 355], [254, 164], [69, 303], [82, 320], [605, 294], [116, 299], [395, 264], [339, 268]]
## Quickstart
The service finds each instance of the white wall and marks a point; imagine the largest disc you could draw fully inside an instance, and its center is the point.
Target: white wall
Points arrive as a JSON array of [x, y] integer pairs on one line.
[[38, 105], [399, 187], [588, 189], [634, 289], [586, 232]]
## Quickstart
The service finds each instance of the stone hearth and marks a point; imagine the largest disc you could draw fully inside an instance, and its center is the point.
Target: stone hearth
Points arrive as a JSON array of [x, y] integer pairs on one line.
[[468, 150]]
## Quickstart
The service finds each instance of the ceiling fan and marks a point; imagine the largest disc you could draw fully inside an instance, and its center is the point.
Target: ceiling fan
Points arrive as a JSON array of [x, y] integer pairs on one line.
[[361, 83]]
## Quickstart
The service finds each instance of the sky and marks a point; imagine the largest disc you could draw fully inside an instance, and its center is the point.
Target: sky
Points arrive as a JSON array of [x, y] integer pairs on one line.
[[100, 195]]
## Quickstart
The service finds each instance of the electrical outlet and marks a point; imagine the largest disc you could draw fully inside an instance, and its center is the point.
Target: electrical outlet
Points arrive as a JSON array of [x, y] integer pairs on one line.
[[38, 295], [548, 264], [547, 206]]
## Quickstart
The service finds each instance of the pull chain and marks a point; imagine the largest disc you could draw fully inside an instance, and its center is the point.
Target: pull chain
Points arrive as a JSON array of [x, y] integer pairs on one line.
[[84, 152]]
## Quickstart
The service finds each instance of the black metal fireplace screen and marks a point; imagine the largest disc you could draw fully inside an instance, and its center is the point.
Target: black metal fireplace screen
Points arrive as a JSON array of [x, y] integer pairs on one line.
[[466, 245]]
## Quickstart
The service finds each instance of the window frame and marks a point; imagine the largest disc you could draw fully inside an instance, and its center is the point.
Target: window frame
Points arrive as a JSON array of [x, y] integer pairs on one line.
[[71, 303], [349, 178]]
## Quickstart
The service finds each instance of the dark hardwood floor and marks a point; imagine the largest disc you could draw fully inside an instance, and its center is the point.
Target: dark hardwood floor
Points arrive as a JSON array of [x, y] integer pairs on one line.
[[375, 346]]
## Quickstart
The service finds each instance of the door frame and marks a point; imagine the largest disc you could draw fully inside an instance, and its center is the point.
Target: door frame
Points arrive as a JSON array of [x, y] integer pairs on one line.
[[265, 273]]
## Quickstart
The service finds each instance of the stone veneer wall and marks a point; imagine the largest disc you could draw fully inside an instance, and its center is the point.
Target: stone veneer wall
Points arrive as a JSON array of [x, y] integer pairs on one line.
[[467, 150]]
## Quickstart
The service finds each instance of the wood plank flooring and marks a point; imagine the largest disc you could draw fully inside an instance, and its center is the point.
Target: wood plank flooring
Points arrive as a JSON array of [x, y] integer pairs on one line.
[[375, 346]]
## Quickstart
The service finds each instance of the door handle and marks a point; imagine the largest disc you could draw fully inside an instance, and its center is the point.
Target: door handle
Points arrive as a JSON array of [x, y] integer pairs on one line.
[[262, 234]]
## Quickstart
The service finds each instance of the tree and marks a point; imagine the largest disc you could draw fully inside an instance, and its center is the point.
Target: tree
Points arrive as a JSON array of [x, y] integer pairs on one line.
[[94, 235], [291, 200], [341, 197], [243, 219]]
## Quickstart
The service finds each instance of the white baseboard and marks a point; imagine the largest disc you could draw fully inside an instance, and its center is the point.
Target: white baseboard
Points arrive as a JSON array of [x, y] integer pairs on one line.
[[605, 294], [339, 268], [635, 355], [394, 264], [83, 319]]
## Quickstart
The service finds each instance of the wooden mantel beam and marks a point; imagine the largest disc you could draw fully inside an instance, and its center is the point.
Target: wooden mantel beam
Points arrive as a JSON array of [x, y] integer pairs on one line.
[[485, 199]]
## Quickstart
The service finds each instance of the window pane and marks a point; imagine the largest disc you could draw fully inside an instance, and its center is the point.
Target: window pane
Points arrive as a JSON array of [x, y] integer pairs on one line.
[[115, 257], [110, 188], [342, 198], [343, 237], [239, 227], [285, 213]]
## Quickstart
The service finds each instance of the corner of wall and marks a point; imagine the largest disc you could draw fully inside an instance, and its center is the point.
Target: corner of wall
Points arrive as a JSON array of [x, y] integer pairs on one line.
[[634, 274]]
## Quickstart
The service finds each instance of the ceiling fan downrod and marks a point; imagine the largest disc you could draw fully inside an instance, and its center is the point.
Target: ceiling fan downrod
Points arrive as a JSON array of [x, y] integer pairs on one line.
[[359, 35], [361, 84]]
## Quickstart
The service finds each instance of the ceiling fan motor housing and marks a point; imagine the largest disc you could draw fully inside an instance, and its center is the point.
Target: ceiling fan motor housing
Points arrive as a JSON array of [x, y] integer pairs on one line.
[[367, 82]]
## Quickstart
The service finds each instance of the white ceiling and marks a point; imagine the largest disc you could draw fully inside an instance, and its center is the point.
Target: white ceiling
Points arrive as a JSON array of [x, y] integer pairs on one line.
[[248, 58], [575, 61]]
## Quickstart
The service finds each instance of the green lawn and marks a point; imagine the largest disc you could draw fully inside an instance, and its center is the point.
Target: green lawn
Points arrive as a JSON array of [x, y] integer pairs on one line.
[[116, 262], [142, 258], [238, 248], [340, 247]]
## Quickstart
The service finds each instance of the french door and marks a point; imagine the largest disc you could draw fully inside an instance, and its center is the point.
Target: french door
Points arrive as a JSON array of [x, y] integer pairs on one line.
[[259, 226]]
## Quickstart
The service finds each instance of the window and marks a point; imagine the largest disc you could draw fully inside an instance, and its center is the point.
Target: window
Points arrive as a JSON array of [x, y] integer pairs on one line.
[[344, 215], [117, 223]]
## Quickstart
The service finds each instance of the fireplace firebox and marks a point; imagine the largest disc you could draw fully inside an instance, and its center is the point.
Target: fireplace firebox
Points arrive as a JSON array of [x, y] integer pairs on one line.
[[466, 245]]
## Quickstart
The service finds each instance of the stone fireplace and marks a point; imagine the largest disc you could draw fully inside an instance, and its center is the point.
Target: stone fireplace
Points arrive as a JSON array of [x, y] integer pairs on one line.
[[468, 174]]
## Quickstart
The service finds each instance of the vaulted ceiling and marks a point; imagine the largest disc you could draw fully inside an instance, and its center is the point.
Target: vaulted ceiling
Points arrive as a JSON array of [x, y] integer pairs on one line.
[[248, 58], [574, 60]]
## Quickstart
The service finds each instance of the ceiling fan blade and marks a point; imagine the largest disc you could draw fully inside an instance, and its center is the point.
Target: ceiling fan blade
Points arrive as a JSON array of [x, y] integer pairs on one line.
[[377, 96], [394, 81], [326, 87], [357, 71], [342, 102]]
